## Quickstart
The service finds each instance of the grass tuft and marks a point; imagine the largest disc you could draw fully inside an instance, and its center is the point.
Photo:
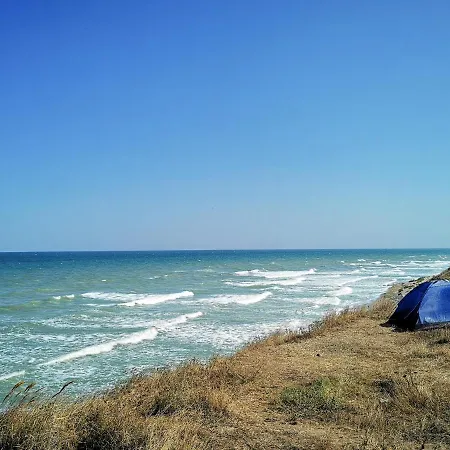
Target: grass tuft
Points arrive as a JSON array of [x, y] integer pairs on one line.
[[319, 399]]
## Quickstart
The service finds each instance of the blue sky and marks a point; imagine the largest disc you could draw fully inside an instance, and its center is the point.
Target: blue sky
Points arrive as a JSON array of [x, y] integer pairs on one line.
[[212, 124]]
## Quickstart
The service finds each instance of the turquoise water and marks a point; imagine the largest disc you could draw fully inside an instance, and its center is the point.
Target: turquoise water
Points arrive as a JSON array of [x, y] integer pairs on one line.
[[95, 318]]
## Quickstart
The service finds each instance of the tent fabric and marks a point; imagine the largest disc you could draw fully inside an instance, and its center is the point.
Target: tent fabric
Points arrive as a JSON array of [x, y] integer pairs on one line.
[[426, 306]]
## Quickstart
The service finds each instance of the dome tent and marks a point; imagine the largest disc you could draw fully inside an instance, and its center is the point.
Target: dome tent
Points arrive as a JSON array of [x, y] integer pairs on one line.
[[426, 306]]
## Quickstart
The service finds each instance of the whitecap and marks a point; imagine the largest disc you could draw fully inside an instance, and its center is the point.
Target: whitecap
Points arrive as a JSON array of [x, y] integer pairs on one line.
[[154, 299], [167, 324], [244, 273], [273, 275], [290, 282], [239, 299], [59, 297], [113, 296], [133, 299]]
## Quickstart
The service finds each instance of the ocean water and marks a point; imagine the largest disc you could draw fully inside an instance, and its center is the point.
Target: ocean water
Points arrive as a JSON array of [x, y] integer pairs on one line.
[[96, 317]]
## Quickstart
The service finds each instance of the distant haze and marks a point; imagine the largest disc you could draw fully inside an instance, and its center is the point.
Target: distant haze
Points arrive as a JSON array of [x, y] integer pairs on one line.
[[200, 125]]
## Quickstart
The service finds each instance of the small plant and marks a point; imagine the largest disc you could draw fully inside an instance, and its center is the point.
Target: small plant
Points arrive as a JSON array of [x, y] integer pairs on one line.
[[319, 398]]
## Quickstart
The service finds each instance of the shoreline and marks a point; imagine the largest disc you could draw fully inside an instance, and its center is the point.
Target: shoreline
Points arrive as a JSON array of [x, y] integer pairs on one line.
[[345, 382]]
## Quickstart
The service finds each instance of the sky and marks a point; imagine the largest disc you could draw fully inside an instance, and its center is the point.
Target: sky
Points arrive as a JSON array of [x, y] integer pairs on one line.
[[224, 124]]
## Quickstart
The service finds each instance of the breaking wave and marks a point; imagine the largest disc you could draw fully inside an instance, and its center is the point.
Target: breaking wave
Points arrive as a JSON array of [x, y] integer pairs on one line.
[[137, 299], [240, 299], [106, 347], [167, 324], [154, 299], [134, 338], [276, 274]]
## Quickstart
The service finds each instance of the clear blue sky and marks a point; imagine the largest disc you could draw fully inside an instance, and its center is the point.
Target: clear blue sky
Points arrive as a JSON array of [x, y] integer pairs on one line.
[[224, 124]]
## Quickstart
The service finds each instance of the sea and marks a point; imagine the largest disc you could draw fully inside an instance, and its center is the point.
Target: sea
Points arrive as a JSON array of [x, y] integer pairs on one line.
[[95, 318]]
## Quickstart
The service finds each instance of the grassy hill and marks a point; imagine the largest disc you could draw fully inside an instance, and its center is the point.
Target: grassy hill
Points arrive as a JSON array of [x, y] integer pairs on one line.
[[346, 383]]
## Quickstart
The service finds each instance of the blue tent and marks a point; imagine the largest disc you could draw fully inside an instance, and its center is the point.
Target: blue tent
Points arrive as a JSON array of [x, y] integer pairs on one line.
[[426, 306]]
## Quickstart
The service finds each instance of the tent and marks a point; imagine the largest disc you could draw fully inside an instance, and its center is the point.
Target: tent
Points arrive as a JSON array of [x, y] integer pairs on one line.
[[426, 306]]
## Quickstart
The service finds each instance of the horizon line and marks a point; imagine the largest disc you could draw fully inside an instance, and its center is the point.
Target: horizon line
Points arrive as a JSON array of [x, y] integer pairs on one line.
[[227, 249]]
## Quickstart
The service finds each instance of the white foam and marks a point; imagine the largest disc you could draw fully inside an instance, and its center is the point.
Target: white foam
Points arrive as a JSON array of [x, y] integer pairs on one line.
[[165, 325], [106, 347], [12, 375], [226, 337], [240, 299], [113, 296], [245, 273], [346, 290], [276, 282], [133, 299], [290, 282], [317, 301], [356, 280], [393, 272], [134, 338], [96, 305], [246, 283], [154, 299], [293, 325], [280, 274], [419, 262], [59, 297]]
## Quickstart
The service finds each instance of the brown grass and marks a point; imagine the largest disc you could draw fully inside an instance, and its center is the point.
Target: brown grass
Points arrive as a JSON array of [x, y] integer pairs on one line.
[[343, 383]]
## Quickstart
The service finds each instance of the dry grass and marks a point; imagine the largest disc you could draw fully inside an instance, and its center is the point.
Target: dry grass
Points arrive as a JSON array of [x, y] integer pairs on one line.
[[343, 383], [170, 409]]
